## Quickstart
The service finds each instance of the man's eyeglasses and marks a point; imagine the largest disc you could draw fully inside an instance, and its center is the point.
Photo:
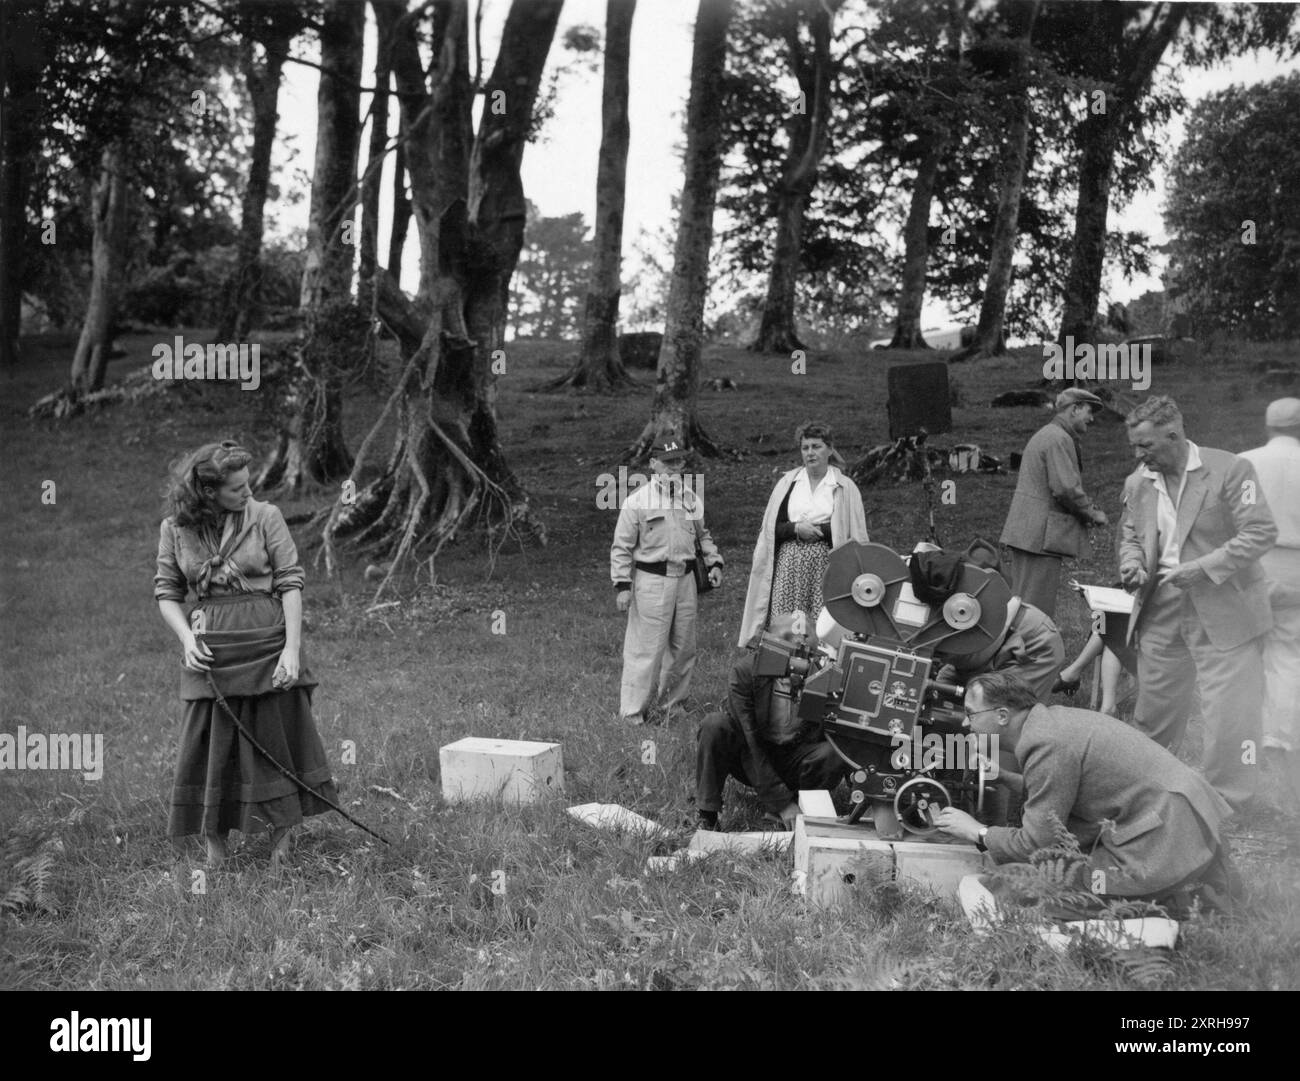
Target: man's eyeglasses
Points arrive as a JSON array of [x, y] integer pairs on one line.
[[971, 716]]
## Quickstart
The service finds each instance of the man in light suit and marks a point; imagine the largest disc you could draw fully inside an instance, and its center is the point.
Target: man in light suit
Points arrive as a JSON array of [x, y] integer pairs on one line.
[[1150, 823], [1194, 527], [1277, 465], [1050, 512]]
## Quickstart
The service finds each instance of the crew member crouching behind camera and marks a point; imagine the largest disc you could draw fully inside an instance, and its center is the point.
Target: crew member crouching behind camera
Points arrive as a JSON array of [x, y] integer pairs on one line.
[[759, 739], [1150, 822]]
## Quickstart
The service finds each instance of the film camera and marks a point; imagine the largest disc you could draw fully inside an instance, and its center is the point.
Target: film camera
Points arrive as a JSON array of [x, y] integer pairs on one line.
[[876, 699]]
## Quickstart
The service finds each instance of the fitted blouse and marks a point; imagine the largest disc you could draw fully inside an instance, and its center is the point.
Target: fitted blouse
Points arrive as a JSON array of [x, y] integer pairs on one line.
[[262, 559]]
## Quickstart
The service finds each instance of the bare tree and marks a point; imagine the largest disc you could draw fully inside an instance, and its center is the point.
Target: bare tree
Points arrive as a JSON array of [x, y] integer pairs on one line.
[[677, 381], [807, 126], [273, 25], [989, 337], [386, 16], [1127, 60], [107, 267], [311, 447], [934, 142], [446, 461], [599, 366]]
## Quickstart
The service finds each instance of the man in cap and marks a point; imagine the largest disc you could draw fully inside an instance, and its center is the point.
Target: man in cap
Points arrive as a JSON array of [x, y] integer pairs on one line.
[[1194, 528], [652, 564], [759, 739], [1050, 512], [1277, 466]]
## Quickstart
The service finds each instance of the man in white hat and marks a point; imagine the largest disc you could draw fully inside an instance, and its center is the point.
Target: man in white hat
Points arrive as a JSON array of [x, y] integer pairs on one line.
[[1050, 512], [1277, 466], [652, 565]]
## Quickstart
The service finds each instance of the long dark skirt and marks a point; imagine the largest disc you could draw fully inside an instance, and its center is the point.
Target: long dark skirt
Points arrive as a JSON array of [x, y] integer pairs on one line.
[[222, 782]]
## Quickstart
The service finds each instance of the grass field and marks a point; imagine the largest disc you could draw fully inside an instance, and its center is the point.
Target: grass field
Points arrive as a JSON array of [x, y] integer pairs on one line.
[[85, 651]]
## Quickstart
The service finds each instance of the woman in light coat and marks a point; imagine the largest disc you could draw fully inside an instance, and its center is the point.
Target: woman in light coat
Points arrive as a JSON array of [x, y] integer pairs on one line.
[[812, 510]]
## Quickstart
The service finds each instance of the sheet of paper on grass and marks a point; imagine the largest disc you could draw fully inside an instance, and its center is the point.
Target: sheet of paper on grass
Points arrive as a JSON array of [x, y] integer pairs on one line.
[[982, 910], [612, 816]]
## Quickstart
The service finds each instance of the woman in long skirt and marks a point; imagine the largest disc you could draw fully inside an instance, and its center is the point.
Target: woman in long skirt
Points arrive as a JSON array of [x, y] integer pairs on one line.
[[243, 638], [811, 511]]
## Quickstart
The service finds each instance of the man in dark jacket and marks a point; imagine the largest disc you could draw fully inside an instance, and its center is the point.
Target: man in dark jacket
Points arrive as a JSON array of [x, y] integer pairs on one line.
[[1150, 823], [759, 739], [1050, 511]]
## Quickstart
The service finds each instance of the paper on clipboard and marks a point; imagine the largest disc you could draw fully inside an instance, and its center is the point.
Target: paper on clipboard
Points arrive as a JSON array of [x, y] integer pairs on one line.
[[1106, 599]]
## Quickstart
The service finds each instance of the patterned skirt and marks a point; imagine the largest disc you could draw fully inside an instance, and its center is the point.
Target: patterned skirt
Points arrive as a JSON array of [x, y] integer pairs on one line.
[[222, 782], [797, 579]]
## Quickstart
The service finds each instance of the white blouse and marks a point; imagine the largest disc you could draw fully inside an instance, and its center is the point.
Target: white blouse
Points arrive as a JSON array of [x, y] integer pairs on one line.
[[812, 505]]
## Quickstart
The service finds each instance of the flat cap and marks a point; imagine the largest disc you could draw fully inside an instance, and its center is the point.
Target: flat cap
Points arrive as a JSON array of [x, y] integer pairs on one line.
[[1074, 395], [1283, 413]]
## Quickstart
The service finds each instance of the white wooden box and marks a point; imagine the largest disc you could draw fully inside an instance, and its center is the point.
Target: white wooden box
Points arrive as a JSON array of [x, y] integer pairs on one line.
[[513, 770], [832, 856]]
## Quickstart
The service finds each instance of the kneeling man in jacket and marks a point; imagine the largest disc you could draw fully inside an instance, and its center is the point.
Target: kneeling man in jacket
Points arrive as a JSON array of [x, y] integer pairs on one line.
[[1151, 823], [759, 739]]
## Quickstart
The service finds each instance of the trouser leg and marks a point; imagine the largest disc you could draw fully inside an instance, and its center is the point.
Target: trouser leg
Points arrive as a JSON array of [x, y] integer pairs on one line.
[[679, 658], [1166, 671], [1231, 684], [812, 766], [1035, 579], [719, 747], [1282, 656], [649, 621]]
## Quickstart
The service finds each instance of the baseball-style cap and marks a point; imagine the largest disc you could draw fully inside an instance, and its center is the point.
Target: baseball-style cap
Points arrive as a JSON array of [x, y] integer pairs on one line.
[[668, 450], [1074, 395], [1283, 413]]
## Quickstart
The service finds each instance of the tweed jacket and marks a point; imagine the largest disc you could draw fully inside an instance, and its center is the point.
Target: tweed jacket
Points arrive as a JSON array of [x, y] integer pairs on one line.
[[1087, 768], [1050, 510], [1224, 526]]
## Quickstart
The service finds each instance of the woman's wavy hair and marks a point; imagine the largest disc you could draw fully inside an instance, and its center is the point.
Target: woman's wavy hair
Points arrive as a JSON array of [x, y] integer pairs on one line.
[[207, 467], [818, 429]]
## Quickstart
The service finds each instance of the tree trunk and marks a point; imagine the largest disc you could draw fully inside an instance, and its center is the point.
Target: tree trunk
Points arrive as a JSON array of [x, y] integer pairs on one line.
[[599, 366], [776, 333], [401, 215], [20, 115], [386, 16], [990, 339], [263, 83], [916, 250], [311, 448], [1132, 66], [677, 381], [446, 461], [108, 264]]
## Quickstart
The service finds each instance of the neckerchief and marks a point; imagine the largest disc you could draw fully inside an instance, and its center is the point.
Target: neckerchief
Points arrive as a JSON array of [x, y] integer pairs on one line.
[[233, 527]]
